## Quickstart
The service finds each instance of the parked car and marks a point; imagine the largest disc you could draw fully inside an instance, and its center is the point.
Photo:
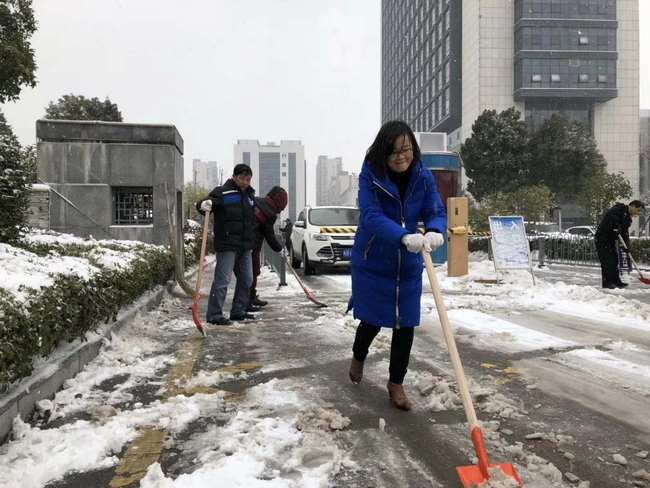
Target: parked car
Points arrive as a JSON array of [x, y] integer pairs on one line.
[[541, 228], [323, 236], [581, 230]]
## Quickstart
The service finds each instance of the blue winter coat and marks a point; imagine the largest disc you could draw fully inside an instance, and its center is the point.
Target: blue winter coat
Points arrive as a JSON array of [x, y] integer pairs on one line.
[[386, 278]]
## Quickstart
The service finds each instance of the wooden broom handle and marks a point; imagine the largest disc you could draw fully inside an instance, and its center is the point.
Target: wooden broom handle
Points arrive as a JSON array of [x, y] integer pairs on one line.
[[204, 240], [451, 344]]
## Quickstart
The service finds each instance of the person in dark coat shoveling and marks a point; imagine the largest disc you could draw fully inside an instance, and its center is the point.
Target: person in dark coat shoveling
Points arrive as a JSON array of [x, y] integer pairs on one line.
[[395, 193], [616, 222], [267, 210]]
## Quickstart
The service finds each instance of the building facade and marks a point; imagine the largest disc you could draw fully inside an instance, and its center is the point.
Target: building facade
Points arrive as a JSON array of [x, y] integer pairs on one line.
[[326, 170], [344, 189], [206, 174], [276, 164], [644, 154], [446, 61]]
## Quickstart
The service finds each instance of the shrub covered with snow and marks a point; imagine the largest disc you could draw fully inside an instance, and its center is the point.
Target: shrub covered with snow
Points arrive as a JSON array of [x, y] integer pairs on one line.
[[33, 322], [15, 182]]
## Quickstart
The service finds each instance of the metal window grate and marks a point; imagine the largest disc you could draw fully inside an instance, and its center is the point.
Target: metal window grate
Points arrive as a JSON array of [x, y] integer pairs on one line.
[[133, 206]]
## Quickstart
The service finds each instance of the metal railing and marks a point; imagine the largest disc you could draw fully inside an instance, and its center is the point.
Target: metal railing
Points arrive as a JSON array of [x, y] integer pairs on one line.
[[571, 250], [275, 261]]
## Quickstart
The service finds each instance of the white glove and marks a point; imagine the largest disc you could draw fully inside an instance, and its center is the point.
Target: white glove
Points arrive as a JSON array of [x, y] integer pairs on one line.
[[206, 205], [413, 242], [432, 241], [284, 253]]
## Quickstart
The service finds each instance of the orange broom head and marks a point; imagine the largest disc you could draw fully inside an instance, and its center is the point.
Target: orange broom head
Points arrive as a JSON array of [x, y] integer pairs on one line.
[[197, 318], [644, 280], [471, 476]]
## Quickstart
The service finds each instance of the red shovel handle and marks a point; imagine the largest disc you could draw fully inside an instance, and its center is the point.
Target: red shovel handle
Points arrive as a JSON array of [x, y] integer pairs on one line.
[[481, 453]]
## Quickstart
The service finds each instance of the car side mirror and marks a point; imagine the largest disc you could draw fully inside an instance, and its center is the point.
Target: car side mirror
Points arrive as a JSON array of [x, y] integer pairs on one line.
[[299, 223]]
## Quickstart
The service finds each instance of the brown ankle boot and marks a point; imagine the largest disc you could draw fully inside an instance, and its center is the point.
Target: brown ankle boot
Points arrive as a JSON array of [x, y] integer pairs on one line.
[[356, 371], [398, 396]]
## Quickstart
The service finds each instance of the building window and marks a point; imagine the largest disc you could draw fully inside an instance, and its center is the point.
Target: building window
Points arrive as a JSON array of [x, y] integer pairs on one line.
[[583, 78], [284, 173], [583, 40], [133, 206], [536, 78], [555, 78], [602, 78]]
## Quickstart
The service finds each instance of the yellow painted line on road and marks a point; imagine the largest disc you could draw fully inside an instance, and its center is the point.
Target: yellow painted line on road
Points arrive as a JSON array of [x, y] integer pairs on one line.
[[241, 367], [142, 453], [181, 372]]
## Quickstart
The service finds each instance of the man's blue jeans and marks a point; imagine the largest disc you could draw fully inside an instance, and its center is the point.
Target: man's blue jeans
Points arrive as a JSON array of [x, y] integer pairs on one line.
[[228, 262]]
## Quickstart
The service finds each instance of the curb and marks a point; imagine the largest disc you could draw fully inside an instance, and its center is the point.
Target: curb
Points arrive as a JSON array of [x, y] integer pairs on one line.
[[64, 364]]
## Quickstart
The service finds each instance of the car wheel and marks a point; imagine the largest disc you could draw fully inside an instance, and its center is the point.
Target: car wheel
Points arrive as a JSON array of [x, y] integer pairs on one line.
[[295, 262], [310, 269]]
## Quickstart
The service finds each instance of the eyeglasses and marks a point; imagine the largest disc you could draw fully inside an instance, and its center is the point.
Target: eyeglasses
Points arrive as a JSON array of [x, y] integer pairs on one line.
[[402, 152]]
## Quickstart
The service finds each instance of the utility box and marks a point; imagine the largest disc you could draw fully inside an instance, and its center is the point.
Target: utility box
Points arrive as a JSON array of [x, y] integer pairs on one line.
[[458, 239]]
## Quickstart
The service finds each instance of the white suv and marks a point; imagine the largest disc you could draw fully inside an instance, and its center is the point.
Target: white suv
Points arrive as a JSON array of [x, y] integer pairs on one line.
[[323, 236]]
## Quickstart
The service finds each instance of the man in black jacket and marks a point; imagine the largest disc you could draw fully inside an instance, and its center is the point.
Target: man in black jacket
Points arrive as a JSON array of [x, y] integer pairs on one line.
[[266, 213], [233, 207], [616, 222]]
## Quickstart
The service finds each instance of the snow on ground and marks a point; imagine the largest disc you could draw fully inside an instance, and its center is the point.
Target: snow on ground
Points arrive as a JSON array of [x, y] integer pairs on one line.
[[278, 437], [517, 292], [37, 236], [23, 270], [493, 333]]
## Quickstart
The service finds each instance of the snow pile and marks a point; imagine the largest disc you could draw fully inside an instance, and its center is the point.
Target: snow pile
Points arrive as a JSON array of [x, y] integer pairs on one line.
[[437, 390], [23, 270]]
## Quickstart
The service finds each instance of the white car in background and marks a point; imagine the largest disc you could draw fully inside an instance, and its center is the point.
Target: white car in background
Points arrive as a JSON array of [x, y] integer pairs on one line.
[[581, 230], [323, 236]]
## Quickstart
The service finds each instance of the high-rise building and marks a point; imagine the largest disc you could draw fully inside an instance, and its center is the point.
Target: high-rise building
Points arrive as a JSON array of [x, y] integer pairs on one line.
[[326, 171], [445, 61], [276, 164], [206, 174], [344, 189]]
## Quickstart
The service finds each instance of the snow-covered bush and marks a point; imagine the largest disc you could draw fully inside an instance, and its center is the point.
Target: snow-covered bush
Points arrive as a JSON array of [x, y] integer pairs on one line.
[[71, 307], [15, 176]]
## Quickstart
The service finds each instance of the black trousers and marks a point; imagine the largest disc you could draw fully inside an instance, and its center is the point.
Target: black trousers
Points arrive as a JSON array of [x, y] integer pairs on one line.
[[400, 348], [608, 262]]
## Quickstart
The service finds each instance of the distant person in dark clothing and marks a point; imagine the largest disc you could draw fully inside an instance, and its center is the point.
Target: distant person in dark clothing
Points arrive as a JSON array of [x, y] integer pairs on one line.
[[286, 231], [615, 223], [267, 210]]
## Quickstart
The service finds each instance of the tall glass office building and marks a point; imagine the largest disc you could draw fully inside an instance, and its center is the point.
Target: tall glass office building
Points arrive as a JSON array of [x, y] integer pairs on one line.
[[445, 61]]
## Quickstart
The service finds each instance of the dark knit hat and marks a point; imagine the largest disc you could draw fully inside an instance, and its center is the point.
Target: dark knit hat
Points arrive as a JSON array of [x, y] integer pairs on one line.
[[242, 169], [277, 197]]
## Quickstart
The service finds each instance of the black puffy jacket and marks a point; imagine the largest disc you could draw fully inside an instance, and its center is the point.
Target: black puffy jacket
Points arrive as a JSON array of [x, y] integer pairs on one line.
[[234, 217], [265, 216]]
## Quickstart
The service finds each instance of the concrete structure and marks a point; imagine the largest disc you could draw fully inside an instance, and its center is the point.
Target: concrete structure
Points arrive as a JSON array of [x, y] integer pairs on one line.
[[326, 171], [276, 164], [644, 154], [112, 180], [445, 61]]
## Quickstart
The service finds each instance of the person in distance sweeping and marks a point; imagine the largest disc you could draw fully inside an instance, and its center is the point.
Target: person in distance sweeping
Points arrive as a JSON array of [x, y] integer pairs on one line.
[[395, 192], [616, 222]]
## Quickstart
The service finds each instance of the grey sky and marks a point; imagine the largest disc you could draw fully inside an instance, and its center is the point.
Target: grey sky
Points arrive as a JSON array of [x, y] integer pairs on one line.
[[222, 70]]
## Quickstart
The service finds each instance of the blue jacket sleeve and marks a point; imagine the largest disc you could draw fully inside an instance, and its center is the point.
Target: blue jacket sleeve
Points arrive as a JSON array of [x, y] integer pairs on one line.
[[373, 217], [433, 214]]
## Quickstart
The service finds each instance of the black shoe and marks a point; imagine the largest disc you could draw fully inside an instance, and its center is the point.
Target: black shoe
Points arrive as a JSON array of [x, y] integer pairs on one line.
[[252, 308], [244, 316], [220, 321], [259, 303], [620, 284]]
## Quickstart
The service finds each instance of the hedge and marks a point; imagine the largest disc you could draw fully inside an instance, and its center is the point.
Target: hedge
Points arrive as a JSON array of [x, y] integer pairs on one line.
[[69, 308]]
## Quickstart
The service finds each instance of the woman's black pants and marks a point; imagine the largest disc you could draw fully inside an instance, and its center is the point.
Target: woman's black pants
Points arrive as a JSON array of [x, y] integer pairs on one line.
[[400, 348]]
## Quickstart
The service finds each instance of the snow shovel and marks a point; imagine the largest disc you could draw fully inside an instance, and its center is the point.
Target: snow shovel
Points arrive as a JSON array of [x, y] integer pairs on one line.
[[308, 293], [642, 279], [469, 475], [197, 291]]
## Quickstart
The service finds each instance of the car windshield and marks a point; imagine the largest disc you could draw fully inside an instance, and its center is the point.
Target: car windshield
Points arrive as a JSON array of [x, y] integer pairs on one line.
[[334, 216]]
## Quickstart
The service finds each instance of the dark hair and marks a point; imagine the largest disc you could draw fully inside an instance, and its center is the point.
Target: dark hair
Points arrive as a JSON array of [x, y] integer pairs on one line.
[[377, 154], [242, 169], [637, 204]]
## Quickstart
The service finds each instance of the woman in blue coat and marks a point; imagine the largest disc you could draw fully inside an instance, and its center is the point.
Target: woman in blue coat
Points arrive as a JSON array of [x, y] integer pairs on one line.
[[395, 194]]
